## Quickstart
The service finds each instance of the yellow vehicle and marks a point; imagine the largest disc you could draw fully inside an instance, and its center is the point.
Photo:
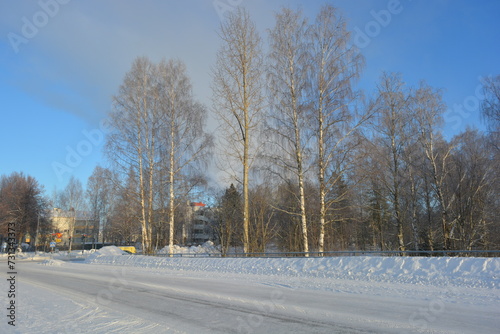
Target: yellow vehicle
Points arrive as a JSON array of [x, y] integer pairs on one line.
[[128, 249]]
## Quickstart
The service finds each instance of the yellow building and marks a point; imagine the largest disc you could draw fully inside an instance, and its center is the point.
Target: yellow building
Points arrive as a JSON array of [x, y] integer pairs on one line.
[[79, 221]]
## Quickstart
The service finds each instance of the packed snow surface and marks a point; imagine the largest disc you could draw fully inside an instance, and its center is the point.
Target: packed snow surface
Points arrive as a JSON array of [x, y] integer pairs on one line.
[[112, 291]]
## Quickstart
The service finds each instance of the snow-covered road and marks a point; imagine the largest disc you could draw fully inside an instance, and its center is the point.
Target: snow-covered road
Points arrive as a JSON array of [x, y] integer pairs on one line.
[[197, 305], [57, 297]]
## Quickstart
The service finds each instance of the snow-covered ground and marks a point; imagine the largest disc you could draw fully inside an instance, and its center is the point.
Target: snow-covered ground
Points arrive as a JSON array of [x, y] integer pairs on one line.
[[114, 293]]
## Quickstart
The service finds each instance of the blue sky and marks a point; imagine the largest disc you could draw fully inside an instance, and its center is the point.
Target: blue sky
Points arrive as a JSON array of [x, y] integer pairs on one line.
[[62, 60]]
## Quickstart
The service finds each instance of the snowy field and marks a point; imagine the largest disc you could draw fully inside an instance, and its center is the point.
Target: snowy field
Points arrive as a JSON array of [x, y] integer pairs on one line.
[[110, 292]]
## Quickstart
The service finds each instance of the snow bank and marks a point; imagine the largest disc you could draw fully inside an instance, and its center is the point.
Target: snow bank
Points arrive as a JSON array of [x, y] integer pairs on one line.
[[440, 271], [207, 248], [62, 255]]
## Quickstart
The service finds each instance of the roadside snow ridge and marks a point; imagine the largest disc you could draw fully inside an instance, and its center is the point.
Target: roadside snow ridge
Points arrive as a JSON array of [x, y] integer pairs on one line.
[[458, 271]]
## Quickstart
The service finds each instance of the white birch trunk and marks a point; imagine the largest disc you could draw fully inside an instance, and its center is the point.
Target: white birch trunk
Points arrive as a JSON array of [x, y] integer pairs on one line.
[[172, 191]]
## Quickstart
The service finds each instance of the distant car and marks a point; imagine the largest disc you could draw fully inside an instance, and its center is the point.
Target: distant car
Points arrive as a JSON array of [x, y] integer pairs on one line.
[[128, 249]]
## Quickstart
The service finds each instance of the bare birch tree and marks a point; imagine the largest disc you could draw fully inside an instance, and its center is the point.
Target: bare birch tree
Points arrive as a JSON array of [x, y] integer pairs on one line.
[[238, 97], [184, 130], [134, 138], [334, 65], [100, 195], [71, 199], [289, 122], [392, 106], [157, 130], [428, 110]]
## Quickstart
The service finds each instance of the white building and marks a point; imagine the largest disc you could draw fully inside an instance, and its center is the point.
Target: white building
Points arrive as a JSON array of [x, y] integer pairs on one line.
[[198, 227]]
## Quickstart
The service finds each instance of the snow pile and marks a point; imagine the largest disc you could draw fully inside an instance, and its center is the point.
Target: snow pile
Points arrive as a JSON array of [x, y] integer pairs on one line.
[[38, 256], [110, 250], [440, 271], [75, 254], [107, 252], [207, 248], [52, 262]]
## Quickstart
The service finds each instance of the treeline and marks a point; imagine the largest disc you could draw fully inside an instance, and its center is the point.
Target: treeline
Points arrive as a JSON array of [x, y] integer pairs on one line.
[[314, 164], [361, 211], [321, 168], [23, 203]]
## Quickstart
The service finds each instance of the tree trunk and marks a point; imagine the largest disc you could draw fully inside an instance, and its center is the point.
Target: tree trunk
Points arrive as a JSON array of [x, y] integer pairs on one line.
[[396, 199], [322, 187], [172, 191], [303, 217], [246, 159]]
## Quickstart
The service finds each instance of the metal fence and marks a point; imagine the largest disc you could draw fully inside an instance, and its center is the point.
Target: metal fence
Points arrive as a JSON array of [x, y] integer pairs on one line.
[[424, 253]]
